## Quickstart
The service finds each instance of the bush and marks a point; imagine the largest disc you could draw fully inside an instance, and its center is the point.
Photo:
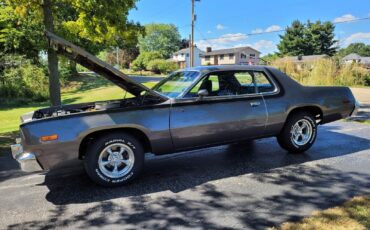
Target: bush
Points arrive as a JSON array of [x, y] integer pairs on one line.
[[23, 80], [325, 72], [142, 61], [161, 66]]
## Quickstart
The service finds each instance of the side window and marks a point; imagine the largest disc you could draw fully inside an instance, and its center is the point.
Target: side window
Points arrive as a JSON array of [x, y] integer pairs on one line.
[[233, 83], [212, 86], [245, 80], [263, 83]]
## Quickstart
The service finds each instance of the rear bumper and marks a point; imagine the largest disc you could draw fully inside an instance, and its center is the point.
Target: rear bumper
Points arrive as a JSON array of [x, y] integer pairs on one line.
[[26, 160], [355, 110]]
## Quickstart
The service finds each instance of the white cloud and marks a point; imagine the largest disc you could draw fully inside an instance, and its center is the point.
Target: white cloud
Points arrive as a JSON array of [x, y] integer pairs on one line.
[[257, 31], [271, 28], [220, 27], [357, 37], [209, 32], [344, 18], [264, 44], [224, 41]]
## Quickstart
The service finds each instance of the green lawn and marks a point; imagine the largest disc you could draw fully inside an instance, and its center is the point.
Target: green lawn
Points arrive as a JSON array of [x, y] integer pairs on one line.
[[354, 214], [86, 89]]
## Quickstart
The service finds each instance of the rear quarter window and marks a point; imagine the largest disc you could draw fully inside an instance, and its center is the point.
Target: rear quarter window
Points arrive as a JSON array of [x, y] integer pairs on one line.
[[264, 85]]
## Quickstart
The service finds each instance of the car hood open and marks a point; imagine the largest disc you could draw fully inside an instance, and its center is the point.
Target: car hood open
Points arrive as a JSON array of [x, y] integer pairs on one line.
[[93, 63]]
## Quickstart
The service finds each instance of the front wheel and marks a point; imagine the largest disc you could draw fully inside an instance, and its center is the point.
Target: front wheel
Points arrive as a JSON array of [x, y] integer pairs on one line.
[[299, 133], [114, 159]]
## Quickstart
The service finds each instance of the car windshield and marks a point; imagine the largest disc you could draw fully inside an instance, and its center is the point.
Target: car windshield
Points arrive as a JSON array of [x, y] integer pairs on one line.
[[176, 83]]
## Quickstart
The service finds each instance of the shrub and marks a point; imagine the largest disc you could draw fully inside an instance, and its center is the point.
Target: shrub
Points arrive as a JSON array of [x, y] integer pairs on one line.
[[24, 80], [142, 61], [166, 67], [161, 66]]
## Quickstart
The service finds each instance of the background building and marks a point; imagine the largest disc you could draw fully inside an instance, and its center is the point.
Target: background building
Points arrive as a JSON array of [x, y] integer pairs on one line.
[[182, 57], [233, 56], [353, 57]]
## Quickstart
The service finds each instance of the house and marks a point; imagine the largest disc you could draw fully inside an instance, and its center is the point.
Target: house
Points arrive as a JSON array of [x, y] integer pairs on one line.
[[233, 56], [304, 59], [182, 57], [300, 61], [355, 58]]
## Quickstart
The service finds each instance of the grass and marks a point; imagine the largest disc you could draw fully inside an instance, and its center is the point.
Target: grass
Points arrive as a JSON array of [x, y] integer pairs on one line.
[[6, 139], [354, 214], [326, 71], [84, 89]]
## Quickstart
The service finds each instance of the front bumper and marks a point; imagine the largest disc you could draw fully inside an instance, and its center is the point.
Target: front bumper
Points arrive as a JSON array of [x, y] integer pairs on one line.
[[27, 161]]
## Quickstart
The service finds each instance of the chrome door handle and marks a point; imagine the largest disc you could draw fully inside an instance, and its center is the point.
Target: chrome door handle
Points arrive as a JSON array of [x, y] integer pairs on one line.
[[255, 104]]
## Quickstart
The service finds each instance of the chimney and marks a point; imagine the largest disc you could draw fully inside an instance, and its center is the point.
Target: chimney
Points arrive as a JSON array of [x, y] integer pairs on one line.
[[208, 49]]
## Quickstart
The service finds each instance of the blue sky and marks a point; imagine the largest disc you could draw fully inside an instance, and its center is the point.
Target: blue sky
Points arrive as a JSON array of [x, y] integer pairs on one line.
[[227, 23]]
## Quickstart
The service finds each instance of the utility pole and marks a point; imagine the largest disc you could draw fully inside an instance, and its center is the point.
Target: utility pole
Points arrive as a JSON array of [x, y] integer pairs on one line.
[[193, 18], [190, 51]]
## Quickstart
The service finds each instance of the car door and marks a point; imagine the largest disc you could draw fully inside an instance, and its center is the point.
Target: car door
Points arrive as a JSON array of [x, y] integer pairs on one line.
[[233, 110]]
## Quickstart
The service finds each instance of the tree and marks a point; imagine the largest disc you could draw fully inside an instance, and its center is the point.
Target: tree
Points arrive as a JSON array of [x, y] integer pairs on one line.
[[125, 56], [359, 48], [162, 38], [308, 39], [142, 61], [269, 58], [185, 43], [92, 24]]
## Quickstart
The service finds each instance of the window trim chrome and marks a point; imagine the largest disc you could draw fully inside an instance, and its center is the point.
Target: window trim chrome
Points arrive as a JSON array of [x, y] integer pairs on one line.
[[201, 77]]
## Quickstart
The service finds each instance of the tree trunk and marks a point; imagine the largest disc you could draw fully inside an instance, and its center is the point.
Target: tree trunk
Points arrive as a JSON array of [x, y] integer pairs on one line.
[[73, 68], [54, 83]]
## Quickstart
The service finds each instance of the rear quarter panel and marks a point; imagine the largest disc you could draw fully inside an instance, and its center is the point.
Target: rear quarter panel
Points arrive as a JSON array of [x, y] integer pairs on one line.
[[334, 102]]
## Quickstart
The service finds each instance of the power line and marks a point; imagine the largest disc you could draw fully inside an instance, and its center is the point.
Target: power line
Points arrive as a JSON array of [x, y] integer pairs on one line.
[[278, 31]]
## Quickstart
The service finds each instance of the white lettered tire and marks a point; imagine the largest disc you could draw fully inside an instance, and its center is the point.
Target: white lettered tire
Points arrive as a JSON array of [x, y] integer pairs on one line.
[[114, 159]]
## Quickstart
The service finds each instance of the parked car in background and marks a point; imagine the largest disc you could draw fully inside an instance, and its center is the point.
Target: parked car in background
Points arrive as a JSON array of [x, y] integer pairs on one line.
[[191, 108]]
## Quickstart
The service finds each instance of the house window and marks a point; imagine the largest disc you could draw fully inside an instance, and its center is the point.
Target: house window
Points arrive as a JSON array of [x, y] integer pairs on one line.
[[231, 56], [243, 56], [207, 58], [222, 57], [187, 55], [252, 55]]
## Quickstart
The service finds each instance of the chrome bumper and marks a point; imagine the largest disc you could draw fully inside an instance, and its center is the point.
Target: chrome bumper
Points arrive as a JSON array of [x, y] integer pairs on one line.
[[355, 110], [27, 161]]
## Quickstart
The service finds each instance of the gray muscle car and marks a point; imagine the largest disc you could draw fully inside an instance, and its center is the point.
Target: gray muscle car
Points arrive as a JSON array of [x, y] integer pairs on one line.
[[191, 108]]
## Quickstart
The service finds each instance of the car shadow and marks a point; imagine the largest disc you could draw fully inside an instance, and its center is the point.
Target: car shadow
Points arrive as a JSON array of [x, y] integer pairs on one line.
[[187, 170], [205, 204]]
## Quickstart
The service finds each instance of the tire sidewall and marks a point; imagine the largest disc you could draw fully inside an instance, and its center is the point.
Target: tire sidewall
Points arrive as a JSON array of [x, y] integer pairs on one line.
[[306, 146], [92, 166]]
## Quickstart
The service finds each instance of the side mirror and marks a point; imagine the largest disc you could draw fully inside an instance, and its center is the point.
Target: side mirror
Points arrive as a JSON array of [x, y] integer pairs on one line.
[[202, 93]]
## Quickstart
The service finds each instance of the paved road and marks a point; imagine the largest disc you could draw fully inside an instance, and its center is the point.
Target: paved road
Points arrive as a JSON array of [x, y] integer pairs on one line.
[[247, 186]]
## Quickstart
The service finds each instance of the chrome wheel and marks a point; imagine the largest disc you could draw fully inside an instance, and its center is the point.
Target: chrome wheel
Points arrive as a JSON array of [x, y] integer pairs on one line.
[[116, 160], [301, 132]]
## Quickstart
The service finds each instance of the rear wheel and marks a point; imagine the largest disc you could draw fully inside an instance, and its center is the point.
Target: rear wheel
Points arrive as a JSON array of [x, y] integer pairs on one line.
[[114, 159], [299, 133]]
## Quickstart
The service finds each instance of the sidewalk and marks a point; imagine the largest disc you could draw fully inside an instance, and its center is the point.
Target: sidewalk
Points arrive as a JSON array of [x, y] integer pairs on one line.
[[362, 95]]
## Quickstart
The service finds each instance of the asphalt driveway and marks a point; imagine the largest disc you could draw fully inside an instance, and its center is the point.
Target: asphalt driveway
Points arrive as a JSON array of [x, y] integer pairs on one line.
[[250, 185]]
